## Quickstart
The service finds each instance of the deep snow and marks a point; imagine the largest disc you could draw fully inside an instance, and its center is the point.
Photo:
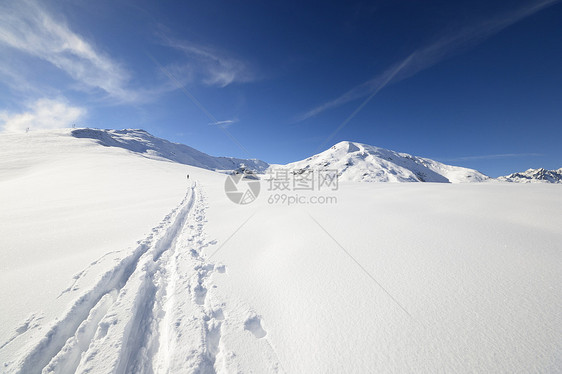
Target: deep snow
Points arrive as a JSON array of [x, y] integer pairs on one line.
[[113, 261]]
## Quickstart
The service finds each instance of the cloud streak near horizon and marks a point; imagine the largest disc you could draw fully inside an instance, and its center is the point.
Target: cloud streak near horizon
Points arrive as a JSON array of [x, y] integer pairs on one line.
[[42, 114], [426, 57]]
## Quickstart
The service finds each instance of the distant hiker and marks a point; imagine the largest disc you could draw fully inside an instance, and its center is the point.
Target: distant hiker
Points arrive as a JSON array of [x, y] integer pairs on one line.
[[187, 176]]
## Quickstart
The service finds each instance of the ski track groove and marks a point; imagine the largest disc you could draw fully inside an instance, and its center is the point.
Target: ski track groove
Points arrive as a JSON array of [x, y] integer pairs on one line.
[[115, 279], [155, 309], [77, 277], [186, 307]]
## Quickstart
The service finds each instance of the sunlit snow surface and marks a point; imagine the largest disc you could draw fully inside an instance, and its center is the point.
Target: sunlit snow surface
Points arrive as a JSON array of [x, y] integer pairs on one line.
[[113, 261], [358, 162]]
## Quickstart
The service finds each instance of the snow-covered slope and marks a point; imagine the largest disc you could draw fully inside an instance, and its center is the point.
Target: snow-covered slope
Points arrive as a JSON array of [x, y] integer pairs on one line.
[[358, 162], [534, 176], [142, 142], [101, 266], [111, 261]]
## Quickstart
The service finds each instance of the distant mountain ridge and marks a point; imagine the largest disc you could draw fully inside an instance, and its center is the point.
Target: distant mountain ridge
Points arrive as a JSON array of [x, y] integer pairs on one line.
[[144, 143], [354, 161], [359, 162], [534, 176]]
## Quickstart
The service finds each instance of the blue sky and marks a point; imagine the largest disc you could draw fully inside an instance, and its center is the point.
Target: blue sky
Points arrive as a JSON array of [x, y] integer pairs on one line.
[[470, 83]]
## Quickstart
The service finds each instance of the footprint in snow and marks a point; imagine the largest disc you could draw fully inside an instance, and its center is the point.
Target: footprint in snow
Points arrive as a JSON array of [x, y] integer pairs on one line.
[[199, 294], [221, 268], [218, 314], [32, 322], [253, 324]]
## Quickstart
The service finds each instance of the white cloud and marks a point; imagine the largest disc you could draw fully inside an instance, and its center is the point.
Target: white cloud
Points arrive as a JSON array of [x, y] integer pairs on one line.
[[42, 114], [212, 67], [225, 123], [27, 27], [430, 55]]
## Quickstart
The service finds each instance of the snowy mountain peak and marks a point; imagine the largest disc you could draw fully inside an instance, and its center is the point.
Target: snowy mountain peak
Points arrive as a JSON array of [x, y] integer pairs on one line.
[[540, 175], [145, 144], [366, 163], [349, 147]]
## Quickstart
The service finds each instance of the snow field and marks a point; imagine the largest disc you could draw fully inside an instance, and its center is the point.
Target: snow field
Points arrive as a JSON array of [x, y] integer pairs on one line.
[[417, 277]]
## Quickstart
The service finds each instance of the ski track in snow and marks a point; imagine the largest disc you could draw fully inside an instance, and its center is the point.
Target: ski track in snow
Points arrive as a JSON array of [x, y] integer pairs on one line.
[[30, 323], [154, 312], [81, 274]]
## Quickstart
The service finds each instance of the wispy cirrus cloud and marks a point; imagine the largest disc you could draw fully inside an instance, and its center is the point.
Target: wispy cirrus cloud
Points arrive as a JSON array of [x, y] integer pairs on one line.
[[430, 55], [225, 123], [42, 114], [210, 65], [29, 28]]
